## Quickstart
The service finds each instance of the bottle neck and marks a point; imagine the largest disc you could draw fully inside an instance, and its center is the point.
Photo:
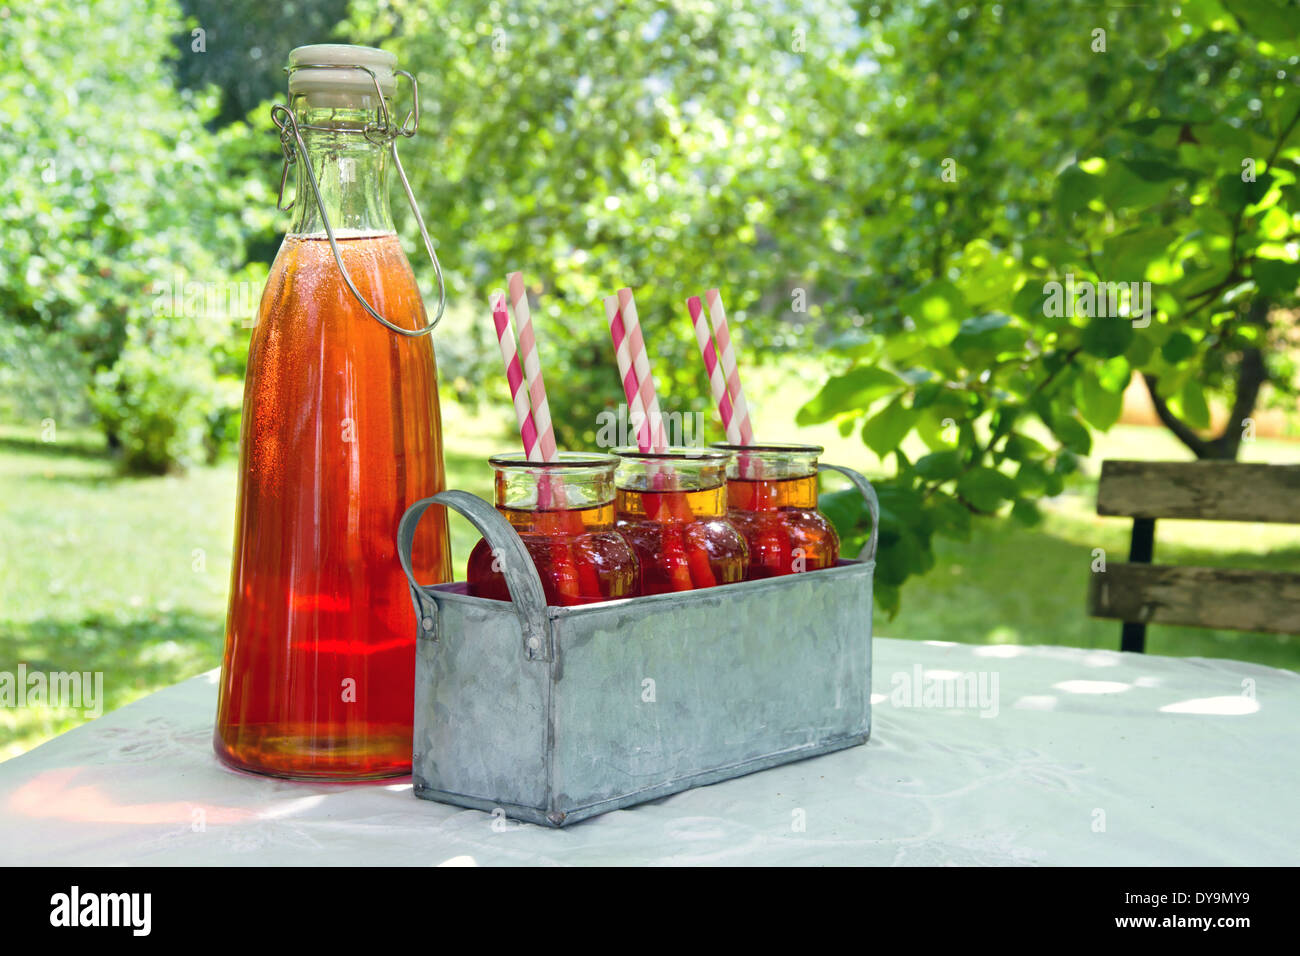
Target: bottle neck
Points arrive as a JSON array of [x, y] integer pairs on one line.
[[351, 171]]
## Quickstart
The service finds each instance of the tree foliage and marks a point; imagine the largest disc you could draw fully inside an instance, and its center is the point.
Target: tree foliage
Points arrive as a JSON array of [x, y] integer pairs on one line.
[[241, 47], [598, 145], [1168, 155], [922, 173], [113, 186], [912, 191]]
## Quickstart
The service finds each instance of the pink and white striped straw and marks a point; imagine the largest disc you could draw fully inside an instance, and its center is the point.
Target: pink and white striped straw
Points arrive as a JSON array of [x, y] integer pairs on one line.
[[515, 377], [532, 367], [717, 384], [627, 375], [641, 368], [740, 410]]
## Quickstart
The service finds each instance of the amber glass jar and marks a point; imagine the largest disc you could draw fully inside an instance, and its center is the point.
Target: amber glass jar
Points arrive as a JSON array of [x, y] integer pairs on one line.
[[564, 513], [671, 507], [772, 501]]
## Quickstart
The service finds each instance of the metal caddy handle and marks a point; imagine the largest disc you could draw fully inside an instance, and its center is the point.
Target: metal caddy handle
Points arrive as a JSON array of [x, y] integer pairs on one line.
[[860, 482], [517, 566]]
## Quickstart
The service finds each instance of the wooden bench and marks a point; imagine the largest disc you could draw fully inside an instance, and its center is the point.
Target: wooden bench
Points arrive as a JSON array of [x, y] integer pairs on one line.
[[1141, 593]]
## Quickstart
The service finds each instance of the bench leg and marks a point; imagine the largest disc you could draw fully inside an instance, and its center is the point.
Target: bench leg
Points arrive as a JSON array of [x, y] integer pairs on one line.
[[1142, 546]]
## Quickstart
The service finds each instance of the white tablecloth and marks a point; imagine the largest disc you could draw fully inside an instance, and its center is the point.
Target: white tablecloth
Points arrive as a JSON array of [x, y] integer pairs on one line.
[[1092, 757]]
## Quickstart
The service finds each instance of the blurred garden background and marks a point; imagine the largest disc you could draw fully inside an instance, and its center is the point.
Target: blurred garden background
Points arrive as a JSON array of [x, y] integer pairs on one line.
[[883, 192]]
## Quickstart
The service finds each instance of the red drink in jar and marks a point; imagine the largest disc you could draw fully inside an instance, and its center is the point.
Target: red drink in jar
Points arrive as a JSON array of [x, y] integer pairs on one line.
[[563, 512], [772, 501], [672, 510]]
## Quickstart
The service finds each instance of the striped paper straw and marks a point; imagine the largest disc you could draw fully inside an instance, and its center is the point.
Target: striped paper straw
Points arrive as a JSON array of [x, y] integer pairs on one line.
[[532, 366], [572, 578], [740, 410], [622, 355], [718, 385], [641, 368], [515, 377], [638, 385]]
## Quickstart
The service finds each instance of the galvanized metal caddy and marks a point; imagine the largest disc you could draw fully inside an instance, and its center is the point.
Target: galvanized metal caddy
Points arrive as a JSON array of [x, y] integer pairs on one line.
[[556, 714]]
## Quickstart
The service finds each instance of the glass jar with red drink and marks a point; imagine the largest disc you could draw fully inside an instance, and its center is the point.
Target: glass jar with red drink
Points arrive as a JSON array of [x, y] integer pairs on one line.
[[672, 510], [563, 511], [772, 501]]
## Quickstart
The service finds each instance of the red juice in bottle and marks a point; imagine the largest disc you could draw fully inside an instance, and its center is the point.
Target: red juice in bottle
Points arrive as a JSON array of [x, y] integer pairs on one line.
[[671, 508], [341, 433], [563, 512]]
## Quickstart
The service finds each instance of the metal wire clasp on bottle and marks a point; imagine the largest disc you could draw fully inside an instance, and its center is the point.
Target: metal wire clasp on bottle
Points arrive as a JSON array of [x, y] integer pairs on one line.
[[382, 132]]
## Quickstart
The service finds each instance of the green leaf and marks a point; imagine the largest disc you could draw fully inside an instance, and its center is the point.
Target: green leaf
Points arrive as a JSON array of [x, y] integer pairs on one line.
[[1114, 374], [986, 274], [1026, 513], [935, 308], [938, 426], [1023, 448], [1030, 302], [1178, 348], [1276, 278], [986, 488], [1073, 434], [885, 430], [983, 338], [1122, 188], [983, 323], [846, 509], [1074, 190], [1031, 478], [1265, 19], [1106, 337], [927, 395], [939, 466], [853, 391], [1099, 406], [1126, 257], [1153, 171], [952, 519], [1237, 194], [1195, 409], [1140, 350]]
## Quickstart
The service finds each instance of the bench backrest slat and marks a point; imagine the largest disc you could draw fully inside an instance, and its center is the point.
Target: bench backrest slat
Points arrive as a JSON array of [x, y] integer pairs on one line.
[[1230, 599], [1206, 490]]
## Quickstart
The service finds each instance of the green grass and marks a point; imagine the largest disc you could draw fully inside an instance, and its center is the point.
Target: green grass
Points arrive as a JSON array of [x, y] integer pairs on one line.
[[129, 576], [1008, 585]]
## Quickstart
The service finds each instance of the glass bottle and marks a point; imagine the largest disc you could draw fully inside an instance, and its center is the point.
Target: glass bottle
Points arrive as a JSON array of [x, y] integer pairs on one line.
[[672, 509], [341, 432], [563, 511], [772, 501]]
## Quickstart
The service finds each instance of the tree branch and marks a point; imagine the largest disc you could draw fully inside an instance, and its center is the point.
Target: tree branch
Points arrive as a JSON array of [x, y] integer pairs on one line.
[[1252, 373], [1251, 377], [1182, 431]]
